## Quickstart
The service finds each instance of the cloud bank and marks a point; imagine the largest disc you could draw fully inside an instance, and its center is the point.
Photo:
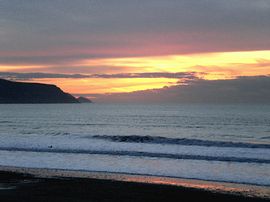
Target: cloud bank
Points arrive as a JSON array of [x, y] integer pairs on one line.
[[30, 76], [240, 90]]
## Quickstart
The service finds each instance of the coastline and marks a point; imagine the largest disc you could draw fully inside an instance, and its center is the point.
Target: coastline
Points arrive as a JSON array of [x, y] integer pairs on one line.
[[17, 183]]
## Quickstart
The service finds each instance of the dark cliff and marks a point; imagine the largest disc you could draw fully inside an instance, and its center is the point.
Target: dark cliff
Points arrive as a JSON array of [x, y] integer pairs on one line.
[[19, 92], [84, 100]]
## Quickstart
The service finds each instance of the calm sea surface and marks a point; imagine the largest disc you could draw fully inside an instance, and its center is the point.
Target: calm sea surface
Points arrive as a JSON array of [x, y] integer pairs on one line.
[[227, 143]]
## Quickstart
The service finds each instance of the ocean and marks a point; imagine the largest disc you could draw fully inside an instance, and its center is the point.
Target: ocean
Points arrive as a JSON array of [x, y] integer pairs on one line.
[[221, 143]]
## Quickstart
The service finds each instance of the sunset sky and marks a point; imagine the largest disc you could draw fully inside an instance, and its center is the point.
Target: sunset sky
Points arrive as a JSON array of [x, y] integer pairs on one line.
[[112, 46]]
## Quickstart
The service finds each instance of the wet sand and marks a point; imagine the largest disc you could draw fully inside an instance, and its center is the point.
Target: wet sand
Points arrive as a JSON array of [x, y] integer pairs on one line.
[[24, 187]]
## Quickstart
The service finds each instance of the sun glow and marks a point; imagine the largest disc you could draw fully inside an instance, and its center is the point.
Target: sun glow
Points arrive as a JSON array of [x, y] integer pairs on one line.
[[100, 85], [212, 65]]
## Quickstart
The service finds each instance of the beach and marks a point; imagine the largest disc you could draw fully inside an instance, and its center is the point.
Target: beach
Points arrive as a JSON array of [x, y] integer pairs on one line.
[[23, 184]]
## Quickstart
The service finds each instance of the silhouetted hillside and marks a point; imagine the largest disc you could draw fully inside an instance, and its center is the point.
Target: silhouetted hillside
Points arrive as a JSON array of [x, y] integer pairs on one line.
[[84, 100], [18, 92]]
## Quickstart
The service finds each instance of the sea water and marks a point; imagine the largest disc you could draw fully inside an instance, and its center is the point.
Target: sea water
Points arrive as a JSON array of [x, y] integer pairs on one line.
[[224, 143]]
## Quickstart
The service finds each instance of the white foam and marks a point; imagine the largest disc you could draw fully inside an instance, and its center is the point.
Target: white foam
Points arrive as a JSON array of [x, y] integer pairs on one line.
[[215, 171]]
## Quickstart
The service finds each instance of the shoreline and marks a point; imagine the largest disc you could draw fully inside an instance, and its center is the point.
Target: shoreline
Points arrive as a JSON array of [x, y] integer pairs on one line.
[[19, 181]]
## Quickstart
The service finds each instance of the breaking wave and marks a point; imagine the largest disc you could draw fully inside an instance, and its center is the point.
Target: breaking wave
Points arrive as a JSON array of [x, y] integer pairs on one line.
[[140, 154], [179, 141]]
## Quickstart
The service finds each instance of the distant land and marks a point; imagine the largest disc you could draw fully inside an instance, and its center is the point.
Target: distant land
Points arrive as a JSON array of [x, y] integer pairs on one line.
[[84, 100], [19, 92]]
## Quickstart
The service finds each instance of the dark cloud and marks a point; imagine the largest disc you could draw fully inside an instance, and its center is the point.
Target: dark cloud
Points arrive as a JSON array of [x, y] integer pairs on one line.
[[186, 75], [67, 29], [240, 90], [29, 76]]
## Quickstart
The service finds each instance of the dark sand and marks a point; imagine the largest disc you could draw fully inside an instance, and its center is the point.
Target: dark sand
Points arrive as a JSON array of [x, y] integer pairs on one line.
[[21, 187]]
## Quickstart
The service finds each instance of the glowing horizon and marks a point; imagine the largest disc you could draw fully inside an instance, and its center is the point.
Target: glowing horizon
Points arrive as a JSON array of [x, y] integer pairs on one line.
[[210, 66]]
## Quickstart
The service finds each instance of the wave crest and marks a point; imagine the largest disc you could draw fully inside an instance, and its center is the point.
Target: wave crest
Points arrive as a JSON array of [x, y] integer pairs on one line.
[[178, 141]]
